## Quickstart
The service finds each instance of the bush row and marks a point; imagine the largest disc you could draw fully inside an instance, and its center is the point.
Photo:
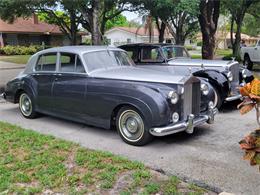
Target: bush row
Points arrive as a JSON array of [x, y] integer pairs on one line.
[[20, 50]]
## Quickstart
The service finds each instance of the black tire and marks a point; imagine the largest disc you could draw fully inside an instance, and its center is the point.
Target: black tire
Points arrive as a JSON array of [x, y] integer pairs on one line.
[[132, 127], [26, 106], [218, 100], [248, 63]]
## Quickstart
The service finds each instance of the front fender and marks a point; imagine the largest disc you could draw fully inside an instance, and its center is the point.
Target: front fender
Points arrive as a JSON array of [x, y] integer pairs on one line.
[[216, 79]]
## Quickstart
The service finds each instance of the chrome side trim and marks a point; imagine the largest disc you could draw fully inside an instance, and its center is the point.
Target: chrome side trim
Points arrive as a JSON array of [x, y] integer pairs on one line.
[[232, 98], [187, 126]]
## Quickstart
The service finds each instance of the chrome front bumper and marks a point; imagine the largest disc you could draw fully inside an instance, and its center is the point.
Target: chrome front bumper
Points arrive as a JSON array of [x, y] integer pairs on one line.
[[232, 98], [187, 126]]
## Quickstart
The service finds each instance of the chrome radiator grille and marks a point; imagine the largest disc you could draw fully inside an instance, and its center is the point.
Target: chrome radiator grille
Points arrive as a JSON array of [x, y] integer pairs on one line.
[[192, 98], [235, 72]]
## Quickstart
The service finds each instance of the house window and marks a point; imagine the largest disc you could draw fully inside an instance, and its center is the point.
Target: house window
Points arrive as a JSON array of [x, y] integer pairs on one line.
[[128, 40]]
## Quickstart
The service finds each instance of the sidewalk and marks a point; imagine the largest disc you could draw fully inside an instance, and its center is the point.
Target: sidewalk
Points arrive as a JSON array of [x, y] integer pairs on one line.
[[8, 71], [8, 65]]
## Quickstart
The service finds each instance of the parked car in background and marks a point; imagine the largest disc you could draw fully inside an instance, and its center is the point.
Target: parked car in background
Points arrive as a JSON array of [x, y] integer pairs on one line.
[[100, 86], [224, 76], [251, 55]]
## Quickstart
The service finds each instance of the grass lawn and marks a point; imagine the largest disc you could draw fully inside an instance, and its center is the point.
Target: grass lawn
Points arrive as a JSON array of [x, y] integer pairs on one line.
[[223, 52], [18, 59], [34, 163]]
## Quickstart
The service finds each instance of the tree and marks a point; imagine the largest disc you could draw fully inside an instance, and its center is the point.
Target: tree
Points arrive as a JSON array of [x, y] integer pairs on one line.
[[208, 19], [183, 22], [65, 19], [237, 10], [179, 16], [119, 20]]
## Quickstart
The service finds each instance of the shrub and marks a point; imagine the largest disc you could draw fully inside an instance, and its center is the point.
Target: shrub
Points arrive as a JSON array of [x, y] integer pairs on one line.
[[199, 43], [20, 50]]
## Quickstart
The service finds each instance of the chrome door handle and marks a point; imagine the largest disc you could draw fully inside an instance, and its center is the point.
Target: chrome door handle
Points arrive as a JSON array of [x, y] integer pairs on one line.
[[58, 74]]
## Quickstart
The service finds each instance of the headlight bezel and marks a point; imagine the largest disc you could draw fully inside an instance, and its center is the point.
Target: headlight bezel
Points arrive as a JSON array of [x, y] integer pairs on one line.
[[173, 96], [204, 88]]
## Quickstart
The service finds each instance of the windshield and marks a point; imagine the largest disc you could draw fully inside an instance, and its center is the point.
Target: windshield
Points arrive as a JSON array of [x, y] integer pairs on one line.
[[105, 59], [175, 52]]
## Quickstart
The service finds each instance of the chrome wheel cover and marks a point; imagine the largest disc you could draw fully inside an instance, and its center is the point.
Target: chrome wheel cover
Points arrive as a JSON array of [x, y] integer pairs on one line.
[[25, 104], [215, 98], [131, 125]]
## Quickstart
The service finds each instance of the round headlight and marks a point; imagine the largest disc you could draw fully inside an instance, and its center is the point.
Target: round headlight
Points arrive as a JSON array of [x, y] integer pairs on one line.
[[204, 88], [173, 96], [211, 104], [230, 76], [175, 117]]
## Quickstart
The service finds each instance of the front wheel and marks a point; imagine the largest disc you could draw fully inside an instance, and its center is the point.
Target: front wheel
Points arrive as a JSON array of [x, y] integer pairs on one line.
[[248, 63], [132, 127], [218, 100], [26, 106]]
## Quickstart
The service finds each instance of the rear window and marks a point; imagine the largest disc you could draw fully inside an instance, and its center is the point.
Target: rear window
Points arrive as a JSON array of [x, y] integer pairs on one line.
[[71, 63], [46, 62]]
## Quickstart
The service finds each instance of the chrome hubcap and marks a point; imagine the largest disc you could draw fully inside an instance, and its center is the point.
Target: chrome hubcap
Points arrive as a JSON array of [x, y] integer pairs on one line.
[[25, 104], [131, 125], [216, 98]]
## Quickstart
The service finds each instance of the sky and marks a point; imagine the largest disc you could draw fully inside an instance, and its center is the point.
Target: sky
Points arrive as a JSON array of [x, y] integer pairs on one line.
[[132, 16]]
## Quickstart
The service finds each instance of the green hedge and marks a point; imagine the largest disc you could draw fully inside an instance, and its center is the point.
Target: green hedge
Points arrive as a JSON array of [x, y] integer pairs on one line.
[[20, 50]]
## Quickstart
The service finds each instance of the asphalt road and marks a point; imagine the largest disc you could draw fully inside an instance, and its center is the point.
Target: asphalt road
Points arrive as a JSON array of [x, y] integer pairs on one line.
[[211, 156]]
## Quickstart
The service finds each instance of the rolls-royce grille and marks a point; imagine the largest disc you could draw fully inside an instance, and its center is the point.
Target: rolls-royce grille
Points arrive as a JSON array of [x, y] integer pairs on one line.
[[192, 97]]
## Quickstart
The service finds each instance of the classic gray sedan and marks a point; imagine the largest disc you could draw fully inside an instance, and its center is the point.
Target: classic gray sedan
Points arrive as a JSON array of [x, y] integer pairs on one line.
[[100, 86]]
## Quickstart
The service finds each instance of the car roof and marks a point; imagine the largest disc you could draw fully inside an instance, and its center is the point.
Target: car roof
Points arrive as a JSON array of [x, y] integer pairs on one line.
[[78, 49], [149, 44]]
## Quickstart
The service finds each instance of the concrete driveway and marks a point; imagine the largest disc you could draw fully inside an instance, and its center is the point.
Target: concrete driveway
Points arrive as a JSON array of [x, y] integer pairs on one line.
[[211, 156]]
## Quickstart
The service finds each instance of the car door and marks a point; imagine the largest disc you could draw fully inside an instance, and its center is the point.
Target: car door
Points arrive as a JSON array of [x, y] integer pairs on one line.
[[69, 86], [43, 77]]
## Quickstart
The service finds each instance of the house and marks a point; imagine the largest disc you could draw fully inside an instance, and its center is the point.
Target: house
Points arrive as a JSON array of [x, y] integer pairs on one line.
[[122, 35], [223, 39], [31, 31]]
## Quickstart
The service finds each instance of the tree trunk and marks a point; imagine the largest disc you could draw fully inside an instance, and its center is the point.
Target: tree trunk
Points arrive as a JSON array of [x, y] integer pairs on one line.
[[96, 35], [208, 19], [180, 37], [236, 46], [73, 28], [161, 26]]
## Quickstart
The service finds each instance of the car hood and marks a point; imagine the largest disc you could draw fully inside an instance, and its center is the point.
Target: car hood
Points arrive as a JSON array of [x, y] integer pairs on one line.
[[199, 62], [138, 74]]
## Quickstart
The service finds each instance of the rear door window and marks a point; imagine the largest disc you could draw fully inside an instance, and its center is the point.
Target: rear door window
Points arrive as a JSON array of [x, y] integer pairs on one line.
[[46, 62], [70, 62], [151, 54]]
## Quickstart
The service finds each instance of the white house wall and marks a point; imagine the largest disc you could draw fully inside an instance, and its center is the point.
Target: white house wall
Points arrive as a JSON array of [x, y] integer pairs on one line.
[[118, 37]]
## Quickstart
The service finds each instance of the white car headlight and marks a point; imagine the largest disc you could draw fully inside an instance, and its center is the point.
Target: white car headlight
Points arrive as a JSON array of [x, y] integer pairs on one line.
[[230, 76], [204, 88], [173, 96]]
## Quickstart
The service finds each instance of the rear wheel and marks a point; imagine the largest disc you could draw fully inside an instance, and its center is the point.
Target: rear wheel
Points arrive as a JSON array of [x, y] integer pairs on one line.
[[26, 106], [132, 127], [248, 63]]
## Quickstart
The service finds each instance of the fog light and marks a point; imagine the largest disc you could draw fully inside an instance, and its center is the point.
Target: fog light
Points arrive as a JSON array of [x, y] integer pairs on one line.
[[204, 88], [211, 104], [175, 117]]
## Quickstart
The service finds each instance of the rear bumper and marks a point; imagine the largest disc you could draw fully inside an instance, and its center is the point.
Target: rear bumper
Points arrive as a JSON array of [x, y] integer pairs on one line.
[[187, 126]]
